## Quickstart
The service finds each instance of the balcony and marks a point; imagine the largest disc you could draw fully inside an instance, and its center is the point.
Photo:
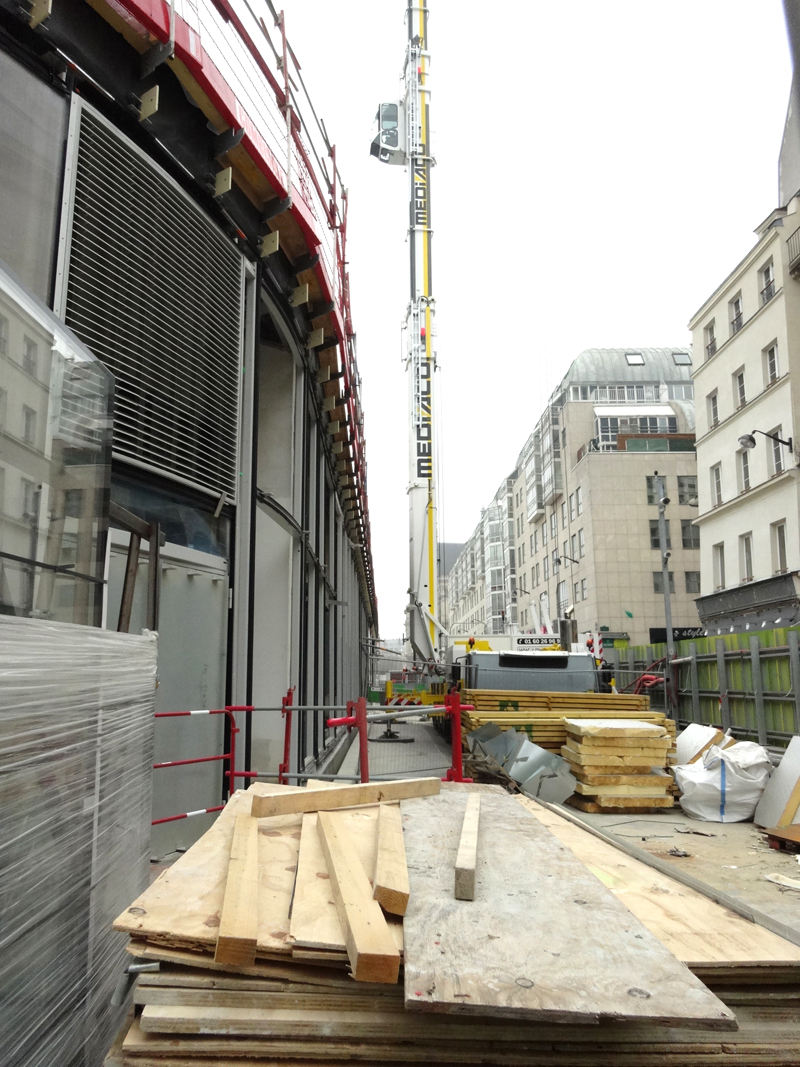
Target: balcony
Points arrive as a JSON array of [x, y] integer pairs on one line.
[[736, 323], [793, 250], [768, 292], [711, 348]]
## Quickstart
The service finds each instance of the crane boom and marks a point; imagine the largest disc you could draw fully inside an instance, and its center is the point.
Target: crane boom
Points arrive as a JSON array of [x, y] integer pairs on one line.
[[404, 139]]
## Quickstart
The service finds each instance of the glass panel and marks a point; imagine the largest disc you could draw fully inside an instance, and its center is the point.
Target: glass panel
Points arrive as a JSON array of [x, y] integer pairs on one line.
[[56, 465]]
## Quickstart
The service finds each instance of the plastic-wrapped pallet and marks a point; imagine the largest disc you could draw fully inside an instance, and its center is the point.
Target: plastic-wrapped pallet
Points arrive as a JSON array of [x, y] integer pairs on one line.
[[76, 751]]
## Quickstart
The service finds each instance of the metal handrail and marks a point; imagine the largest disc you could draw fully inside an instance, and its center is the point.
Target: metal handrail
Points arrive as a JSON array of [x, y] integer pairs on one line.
[[736, 323], [768, 291]]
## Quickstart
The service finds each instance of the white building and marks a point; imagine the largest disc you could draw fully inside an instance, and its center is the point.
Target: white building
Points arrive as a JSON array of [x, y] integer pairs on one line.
[[748, 333]]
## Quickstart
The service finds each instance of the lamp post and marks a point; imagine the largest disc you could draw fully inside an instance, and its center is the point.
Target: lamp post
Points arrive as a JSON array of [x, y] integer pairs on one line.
[[748, 440], [663, 500]]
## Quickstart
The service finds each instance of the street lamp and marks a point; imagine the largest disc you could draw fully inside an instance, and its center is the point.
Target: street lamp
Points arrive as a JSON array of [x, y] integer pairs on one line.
[[748, 440], [558, 560]]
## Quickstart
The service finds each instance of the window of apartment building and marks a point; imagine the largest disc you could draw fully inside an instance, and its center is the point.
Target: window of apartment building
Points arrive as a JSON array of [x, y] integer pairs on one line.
[[583, 588], [574, 546], [690, 534], [739, 392], [743, 469], [746, 557], [521, 554], [579, 500], [28, 425], [581, 545], [776, 453], [563, 514], [572, 506], [718, 557], [3, 335], [711, 339], [544, 534], [778, 538], [576, 592], [534, 542], [680, 391], [28, 498], [538, 578], [682, 359], [770, 360], [658, 582], [561, 599], [634, 359], [692, 581], [555, 562], [735, 314], [30, 354], [712, 403], [652, 489], [654, 540], [3, 407], [767, 281], [553, 525], [546, 569], [716, 485], [687, 488]]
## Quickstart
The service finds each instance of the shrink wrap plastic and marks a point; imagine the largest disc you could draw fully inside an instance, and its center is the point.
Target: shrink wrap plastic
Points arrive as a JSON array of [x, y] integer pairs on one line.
[[76, 752]]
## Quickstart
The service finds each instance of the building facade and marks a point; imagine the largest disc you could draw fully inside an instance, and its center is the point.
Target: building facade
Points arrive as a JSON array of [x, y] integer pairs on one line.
[[748, 333], [147, 199], [580, 510]]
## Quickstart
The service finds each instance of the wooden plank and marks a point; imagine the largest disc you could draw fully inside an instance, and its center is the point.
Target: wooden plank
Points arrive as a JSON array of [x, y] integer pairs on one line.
[[182, 907], [612, 728], [314, 1000], [621, 744], [347, 796], [390, 881], [619, 777], [314, 922], [634, 758], [513, 950], [373, 954], [611, 803], [653, 789], [696, 929], [237, 936], [467, 855]]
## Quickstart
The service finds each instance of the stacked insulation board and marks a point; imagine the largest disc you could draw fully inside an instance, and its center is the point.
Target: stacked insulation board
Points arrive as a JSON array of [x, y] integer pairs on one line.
[[542, 715], [619, 764]]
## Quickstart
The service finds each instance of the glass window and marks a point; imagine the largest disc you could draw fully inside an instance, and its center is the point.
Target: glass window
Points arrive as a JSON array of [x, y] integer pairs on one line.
[[654, 539], [30, 356], [692, 580], [779, 547], [564, 514], [744, 470], [773, 371], [544, 534], [682, 359], [581, 544], [736, 314], [561, 599], [777, 452], [579, 500], [652, 488], [574, 544], [739, 393], [28, 425], [711, 339], [716, 485], [690, 534], [658, 582], [746, 557], [553, 525], [583, 588], [634, 359], [713, 409], [718, 556], [576, 592], [3, 335], [687, 489], [572, 505], [546, 567]]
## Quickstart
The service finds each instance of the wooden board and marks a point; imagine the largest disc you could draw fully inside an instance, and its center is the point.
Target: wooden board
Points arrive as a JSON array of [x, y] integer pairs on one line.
[[654, 789], [611, 803], [467, 855], [275, 1000], [537, 910], [345, 796], [390, 880], [314, 922], [620, 777], [237, 936], [620, 744], [370, 946], [182, 907], [696, 929], [614, 728], [636, 758], [598, 768], [779, 797]]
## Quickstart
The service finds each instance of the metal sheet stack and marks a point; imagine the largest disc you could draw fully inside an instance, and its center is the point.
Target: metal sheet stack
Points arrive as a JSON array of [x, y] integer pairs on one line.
[[619, 764]]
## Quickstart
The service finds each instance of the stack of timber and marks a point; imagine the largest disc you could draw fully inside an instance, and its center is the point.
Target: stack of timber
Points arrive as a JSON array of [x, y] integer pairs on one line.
[[542, 715], [542, 965], [619, 764]]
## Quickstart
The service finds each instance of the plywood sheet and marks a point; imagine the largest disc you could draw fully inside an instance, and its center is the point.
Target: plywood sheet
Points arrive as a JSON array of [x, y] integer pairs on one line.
[[779, 789], [182, 907], [696, 929], [314, 921], [543, 939]]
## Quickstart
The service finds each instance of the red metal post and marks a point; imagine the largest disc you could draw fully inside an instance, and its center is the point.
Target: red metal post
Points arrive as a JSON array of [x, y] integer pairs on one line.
[[453, 704], [363, 742], [286, 712]]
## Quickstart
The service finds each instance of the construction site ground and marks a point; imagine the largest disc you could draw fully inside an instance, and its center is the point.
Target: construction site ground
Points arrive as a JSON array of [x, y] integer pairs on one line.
[[735, 859]]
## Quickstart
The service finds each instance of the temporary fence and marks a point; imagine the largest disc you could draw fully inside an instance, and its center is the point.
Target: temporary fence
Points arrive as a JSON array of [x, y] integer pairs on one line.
[[358, 715]]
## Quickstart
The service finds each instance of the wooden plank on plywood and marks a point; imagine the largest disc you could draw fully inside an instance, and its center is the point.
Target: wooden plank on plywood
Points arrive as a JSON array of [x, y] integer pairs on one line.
[[390, 881], [371, 949], [346, 796], [237, 935], [543, 940], [467, 855]]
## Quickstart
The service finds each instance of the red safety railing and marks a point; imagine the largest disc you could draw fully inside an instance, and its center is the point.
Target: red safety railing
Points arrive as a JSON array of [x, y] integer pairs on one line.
[[286, 712]]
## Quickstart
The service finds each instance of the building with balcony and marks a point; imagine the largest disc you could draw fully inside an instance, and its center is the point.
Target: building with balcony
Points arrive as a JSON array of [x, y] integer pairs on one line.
[[578, 517], [748, 332]]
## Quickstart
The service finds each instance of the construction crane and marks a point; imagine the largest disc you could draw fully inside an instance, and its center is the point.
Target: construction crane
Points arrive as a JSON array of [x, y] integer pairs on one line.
[[403, 139]]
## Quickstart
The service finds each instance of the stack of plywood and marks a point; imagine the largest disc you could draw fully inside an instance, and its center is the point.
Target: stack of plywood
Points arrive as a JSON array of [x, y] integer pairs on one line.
[[480, 983], [619, 764], [542, 715]]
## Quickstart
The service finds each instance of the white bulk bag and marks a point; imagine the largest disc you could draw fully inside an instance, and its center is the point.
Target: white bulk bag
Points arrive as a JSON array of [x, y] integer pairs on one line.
[[726, 784]]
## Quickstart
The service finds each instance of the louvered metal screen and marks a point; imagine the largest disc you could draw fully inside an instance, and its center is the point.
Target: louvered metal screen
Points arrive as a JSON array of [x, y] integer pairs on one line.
[[155, 290]]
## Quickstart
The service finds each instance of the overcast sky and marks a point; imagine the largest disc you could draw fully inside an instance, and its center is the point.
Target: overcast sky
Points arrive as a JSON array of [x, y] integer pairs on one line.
[[600, 170]]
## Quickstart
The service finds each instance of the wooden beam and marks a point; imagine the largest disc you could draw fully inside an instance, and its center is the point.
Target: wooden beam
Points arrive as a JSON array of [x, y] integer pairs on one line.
[[371, 949], [390, 881], [270, 244], [467, 856], [238, 924], [299, 295], [346, 796]]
